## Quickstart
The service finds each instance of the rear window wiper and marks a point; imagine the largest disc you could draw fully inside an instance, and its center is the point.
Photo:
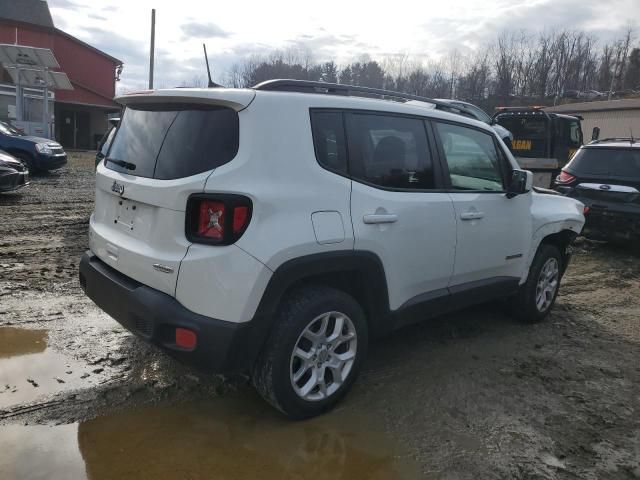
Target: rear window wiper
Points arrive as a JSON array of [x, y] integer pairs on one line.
[[121, 163]]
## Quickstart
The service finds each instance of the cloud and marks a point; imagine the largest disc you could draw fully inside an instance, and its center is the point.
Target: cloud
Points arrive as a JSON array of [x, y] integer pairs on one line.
[[203, 30], [64, 4], [325, 46], [116, 45]]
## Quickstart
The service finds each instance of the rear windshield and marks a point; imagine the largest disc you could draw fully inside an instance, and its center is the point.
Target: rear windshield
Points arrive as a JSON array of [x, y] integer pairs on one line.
[[613, 162], [173, 141], [529, 134]]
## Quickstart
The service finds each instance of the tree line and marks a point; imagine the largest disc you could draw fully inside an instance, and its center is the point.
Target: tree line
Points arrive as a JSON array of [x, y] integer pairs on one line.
[[518, 68]]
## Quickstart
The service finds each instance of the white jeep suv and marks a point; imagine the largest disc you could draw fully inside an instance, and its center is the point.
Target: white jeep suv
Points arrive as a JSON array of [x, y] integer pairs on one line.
[[277, 230]]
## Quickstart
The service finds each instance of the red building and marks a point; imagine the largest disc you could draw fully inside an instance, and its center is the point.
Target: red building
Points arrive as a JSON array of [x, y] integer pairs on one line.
[[80, 115]]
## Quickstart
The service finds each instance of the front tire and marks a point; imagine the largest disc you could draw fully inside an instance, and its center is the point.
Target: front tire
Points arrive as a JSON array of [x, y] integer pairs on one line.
[[536, 296], [314, 353]]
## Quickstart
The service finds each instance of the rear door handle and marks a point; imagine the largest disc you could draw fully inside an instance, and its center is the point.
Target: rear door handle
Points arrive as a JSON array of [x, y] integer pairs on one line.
[[471, 215], [380, 218]]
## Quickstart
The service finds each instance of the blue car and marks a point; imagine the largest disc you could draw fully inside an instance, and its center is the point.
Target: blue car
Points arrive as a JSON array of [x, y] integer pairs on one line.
[[39, 154]]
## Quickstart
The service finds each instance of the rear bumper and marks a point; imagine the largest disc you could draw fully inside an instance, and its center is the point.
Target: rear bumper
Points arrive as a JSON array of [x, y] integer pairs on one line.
[[222, 347], [607, 224]]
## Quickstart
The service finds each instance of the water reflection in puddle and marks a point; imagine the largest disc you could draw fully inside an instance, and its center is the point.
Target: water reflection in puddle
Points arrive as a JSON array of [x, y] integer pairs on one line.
[[29, 370], [237, 437]]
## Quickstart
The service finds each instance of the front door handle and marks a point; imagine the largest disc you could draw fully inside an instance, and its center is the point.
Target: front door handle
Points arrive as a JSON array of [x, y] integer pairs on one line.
[[380, 218], [471, 215]]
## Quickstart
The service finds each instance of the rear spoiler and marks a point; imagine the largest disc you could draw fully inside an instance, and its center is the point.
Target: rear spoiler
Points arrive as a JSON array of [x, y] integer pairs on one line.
[[235, 98]]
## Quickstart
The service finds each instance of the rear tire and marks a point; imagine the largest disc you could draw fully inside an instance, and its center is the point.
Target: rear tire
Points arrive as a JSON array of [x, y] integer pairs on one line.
[[536, 296], [314, 352]]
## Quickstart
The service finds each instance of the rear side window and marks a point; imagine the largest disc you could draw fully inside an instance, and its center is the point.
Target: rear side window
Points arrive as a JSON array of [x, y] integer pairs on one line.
[[472, 158], [389, 151], [329, 141], [607, 162], [174, 141]]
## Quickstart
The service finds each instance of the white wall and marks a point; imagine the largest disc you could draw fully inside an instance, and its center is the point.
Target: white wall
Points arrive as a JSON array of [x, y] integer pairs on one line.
[[612, 123]]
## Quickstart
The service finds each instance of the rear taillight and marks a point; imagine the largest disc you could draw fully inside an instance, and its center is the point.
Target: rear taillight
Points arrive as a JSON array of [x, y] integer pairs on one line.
[[217, 219], [565, 178]]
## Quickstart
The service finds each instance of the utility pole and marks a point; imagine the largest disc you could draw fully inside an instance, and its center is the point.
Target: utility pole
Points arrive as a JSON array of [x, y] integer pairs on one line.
[[153, 46]]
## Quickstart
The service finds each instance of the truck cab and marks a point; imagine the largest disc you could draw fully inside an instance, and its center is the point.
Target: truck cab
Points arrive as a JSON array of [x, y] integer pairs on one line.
[[542, 142]]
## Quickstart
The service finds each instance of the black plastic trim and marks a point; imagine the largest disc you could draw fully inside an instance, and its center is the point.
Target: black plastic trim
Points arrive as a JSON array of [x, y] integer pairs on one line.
[[445, 300], [304, 269], [222, 346]]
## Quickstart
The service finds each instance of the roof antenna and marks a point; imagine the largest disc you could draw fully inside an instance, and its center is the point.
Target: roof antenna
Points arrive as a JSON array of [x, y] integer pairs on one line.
[[212, 84]]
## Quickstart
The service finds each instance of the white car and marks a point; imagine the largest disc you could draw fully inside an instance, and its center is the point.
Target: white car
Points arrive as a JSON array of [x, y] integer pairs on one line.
[[276, 230]]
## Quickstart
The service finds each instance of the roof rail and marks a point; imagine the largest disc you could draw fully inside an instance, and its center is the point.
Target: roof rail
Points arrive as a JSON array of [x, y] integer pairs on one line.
[[307, 86], [631, 140]]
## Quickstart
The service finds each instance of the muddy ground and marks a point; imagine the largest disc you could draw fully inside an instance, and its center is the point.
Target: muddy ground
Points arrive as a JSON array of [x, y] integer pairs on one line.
[[470, 395]]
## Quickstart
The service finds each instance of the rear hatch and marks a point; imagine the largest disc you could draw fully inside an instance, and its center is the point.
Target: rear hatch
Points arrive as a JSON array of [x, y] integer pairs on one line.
[[165, 148], [607, 175]]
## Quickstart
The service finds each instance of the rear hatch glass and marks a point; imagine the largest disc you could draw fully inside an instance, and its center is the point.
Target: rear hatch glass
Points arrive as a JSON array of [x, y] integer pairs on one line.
[[530, 134], [610, 174], [170, 141], [607, 162]]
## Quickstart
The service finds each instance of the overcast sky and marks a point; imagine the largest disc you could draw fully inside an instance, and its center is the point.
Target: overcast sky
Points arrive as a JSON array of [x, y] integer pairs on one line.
[[342, 30]]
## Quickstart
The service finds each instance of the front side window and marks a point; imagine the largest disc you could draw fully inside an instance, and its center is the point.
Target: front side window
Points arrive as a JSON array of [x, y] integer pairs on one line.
[[472, 158], [575, 134], [389, 151]]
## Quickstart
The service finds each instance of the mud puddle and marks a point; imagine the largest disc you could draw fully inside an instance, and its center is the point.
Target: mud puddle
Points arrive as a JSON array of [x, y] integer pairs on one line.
[[236, 437], [30, 370]]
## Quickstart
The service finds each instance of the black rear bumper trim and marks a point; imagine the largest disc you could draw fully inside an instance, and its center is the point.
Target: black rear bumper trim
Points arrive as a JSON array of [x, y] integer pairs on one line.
[[222, 347]]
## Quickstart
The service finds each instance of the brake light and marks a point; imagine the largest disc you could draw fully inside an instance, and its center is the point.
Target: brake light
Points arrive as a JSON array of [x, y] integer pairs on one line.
[[585, 210], [217, 219], [565, 177], [240, 216]]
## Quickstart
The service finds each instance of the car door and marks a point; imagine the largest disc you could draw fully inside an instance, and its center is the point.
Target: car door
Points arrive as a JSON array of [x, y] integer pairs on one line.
[[395, 209], [493, 231]]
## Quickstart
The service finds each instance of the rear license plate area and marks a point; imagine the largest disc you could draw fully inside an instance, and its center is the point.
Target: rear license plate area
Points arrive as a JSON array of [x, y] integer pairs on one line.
[[126, 213]]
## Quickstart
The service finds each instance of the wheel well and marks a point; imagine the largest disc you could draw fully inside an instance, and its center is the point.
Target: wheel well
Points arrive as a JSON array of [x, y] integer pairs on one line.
[[562, 240], [359, 274], [20, 154], [349, 281]]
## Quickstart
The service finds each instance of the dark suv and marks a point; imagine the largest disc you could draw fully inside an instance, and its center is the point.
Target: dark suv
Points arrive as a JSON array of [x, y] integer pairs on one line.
[[605, 176], [39, 154]]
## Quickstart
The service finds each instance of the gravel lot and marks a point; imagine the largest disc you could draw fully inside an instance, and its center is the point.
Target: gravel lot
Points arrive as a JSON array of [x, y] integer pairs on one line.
[[470, 395]]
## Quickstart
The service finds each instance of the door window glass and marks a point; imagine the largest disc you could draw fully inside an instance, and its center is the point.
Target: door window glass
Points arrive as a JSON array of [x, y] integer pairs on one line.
[[472, 158], [390, 151], [329, 141]]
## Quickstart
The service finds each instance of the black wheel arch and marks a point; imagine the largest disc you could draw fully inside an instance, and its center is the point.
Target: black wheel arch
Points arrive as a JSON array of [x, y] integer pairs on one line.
[[21, 154], [563, 241], [358, 273]]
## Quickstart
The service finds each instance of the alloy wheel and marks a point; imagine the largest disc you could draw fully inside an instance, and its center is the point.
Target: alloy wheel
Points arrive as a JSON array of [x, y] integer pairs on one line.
[[323, 356], [547, 284]]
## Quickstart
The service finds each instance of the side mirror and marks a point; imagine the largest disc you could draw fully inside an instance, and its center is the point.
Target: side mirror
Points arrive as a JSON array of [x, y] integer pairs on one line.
[[595, 134], [521, 182]]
